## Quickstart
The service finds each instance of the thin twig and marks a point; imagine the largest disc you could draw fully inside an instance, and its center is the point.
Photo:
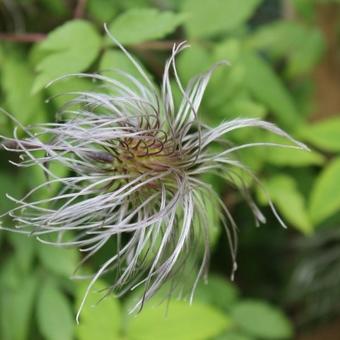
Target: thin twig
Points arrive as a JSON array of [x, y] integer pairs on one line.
[[35, 37], [152, 61], [79, 12], [22, 38]]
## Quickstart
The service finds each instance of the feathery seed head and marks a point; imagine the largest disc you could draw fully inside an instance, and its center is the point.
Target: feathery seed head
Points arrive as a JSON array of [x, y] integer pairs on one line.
[[135, 163]]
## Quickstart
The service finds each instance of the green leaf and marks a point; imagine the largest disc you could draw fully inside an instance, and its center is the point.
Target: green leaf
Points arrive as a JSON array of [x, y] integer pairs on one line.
[[290, 202], [217, 292], [100, 320], [4, 123], [25, 106], [180, 321], [241, 105], [59, 260], [233, 336], [35, 176], [10, 274], [60, 90], [113, 60], [70, 48], [16, 304], [325, 198], [54, 314], [268, 88], [192, 61], [230, 78], [307, 55], [282, 156], [324, 134], [102, 10], [210, 205], [279, 38], [128, 4], [254, 158], [138, 25], [229, 49], [1, 55], [208, 18], [306, 9], [303, 46], [292, 157], [262, 320], [23, 250], [9, 185]]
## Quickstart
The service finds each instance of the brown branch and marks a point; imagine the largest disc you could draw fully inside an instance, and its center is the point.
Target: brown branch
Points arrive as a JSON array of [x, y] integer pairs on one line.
[[79, 12], [35, 37], [153, 63], [22, 38]]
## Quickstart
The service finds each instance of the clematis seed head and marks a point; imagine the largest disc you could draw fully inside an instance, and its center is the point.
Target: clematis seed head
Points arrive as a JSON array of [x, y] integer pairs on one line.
[[135, 164]]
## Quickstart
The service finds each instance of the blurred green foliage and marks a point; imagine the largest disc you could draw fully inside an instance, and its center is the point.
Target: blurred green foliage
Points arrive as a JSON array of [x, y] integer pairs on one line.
[[269, 65], [217, 313]]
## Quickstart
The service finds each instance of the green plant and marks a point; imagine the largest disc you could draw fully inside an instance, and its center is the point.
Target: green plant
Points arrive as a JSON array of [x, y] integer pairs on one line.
[[269, 77]]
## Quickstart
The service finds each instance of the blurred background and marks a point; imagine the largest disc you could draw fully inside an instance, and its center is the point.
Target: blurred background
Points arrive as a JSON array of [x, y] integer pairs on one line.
[[285, 68]]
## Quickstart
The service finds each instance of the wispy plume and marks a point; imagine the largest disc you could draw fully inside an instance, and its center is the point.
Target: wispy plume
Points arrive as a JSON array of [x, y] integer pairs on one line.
[[136, 162]]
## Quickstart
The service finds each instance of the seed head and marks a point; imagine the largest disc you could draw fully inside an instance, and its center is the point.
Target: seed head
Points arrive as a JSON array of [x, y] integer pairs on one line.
[[135, 165]]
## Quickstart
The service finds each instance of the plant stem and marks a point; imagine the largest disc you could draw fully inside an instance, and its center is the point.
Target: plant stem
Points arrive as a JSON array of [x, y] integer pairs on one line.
[[36, 37], [79, 12], [22, 37]]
